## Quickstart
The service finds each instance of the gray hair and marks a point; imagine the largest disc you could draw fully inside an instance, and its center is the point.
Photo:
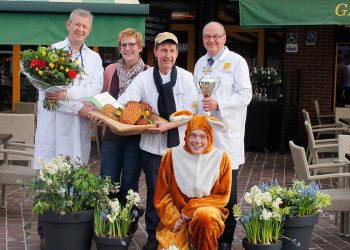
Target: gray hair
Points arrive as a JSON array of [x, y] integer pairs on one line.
[[217, 23], [81, 12]]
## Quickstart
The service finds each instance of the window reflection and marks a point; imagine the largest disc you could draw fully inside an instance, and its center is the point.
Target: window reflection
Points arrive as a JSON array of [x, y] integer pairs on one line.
[[343, 75]]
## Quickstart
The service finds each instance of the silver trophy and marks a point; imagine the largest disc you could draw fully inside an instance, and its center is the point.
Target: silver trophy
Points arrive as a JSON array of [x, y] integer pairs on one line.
[[207, 86]]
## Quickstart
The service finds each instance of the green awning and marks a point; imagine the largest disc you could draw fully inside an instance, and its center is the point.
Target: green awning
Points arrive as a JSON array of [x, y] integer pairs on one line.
[[270, 13], [44, 23]]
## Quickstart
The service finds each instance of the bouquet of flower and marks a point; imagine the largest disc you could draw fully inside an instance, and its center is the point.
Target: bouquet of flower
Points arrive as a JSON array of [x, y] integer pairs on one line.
[[49, 69], [263, 223], [305, 199], [112, 219]]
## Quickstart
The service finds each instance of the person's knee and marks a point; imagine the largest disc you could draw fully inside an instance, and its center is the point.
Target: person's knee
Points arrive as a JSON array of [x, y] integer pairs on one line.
[[205, 216]]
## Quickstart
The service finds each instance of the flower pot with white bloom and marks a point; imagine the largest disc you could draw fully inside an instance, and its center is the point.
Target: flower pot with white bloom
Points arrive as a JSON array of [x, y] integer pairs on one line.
[[114, 223], [65, 193], [263, 223]]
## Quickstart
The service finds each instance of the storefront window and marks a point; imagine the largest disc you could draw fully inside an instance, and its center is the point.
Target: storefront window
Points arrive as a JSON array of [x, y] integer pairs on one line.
[[6, 78], [342, 67]]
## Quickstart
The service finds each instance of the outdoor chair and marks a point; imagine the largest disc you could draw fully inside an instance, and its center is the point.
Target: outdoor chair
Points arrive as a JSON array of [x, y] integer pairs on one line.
[[321, 118], [21, 126], [10, 174], [340, 196], [343, 148], [329, 129], [342, 113], [26, 107], [315, 147]]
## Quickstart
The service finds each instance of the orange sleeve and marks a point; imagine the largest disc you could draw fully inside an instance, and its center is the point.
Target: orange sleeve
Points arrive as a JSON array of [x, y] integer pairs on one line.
[[163, 202], [220, 192]]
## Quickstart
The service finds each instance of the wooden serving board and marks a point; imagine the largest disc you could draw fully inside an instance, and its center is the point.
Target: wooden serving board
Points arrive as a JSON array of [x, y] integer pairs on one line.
[[120, 128]]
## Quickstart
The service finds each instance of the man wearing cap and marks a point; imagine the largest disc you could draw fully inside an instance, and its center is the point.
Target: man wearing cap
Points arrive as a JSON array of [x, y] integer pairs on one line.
[[193, 187], [229, 104], [167, 88]]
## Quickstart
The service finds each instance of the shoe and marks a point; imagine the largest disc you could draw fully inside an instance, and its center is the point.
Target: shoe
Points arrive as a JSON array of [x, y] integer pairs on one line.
[[224, 246], [136, 214], [151, 244], [43, 244]]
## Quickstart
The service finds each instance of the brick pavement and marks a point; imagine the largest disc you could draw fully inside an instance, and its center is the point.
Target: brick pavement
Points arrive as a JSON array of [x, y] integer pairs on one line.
[[259, 167]]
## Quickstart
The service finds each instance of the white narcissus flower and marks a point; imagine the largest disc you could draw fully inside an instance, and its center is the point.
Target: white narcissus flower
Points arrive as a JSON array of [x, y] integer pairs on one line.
[[266, 197], [41, 175], [111, 218], [51, 168], [115, 206], [247, 198], [276, 203], [265, 215], [133, 198], [257, 200]]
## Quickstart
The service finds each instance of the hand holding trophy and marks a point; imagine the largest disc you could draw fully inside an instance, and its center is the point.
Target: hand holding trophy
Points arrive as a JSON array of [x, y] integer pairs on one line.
[[207, 86]]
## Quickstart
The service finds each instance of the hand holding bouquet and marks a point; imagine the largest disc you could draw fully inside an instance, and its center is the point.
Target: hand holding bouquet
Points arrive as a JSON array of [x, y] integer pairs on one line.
[[49, 69]]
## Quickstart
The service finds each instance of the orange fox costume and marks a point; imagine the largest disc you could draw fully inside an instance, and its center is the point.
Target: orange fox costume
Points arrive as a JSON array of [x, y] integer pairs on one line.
[[197, 185]]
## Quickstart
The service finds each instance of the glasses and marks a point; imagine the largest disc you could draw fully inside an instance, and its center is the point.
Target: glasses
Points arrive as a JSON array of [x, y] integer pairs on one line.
[[130, 45], [215, 37]]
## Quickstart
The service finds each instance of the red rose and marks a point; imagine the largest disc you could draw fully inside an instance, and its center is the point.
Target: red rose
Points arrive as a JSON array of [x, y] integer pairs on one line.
[[72, 74], [33, 63], [41, 64]]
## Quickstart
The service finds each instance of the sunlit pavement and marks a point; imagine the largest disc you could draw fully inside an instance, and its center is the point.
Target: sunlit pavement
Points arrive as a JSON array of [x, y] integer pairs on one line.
[[259, 167]]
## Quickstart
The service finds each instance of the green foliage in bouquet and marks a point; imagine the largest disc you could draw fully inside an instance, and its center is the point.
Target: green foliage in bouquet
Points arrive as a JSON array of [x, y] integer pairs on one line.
[[112, 219], [305, 199]]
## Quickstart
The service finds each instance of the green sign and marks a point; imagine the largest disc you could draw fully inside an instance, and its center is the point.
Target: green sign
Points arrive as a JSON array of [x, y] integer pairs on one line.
[[270, 13]]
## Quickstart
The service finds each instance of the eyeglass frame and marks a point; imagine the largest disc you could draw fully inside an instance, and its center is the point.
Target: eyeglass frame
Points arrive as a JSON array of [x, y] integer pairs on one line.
[[130, 45], [215, 37]]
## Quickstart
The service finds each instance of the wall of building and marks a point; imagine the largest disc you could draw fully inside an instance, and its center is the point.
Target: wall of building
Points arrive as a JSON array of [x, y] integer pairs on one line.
[[309, 76]]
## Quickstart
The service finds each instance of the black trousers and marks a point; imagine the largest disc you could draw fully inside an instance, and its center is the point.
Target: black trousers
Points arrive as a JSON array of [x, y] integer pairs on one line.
[[230, 223], [150, 165]]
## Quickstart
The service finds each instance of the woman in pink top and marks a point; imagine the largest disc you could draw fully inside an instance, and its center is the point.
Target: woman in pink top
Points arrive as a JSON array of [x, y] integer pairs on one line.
[[121, 157]]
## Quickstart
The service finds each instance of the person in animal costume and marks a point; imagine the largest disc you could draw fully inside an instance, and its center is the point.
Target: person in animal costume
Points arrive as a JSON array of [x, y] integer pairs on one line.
[[193, 187]]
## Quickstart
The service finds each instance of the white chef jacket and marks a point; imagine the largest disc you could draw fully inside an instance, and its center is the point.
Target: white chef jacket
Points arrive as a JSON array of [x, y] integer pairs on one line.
[[143, 88], [63, 131], [233, 96]]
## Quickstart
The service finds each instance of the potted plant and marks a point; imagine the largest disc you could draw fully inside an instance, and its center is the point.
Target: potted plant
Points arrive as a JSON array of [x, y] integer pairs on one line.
[[114, 222], [65, 193], [263, 222], [264, 80], [305, 202]]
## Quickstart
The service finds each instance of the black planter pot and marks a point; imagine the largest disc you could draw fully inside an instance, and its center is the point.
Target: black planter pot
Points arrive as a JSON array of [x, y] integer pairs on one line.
[[251, 246], [299, 228], [103, 243], [72, 231]]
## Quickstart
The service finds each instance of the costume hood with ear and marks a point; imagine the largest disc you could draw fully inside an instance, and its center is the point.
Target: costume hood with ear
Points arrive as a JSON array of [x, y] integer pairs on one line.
[[202, 122]]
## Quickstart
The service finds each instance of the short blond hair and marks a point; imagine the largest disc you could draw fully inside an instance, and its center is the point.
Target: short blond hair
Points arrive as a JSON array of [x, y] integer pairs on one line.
[[129, 32]]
